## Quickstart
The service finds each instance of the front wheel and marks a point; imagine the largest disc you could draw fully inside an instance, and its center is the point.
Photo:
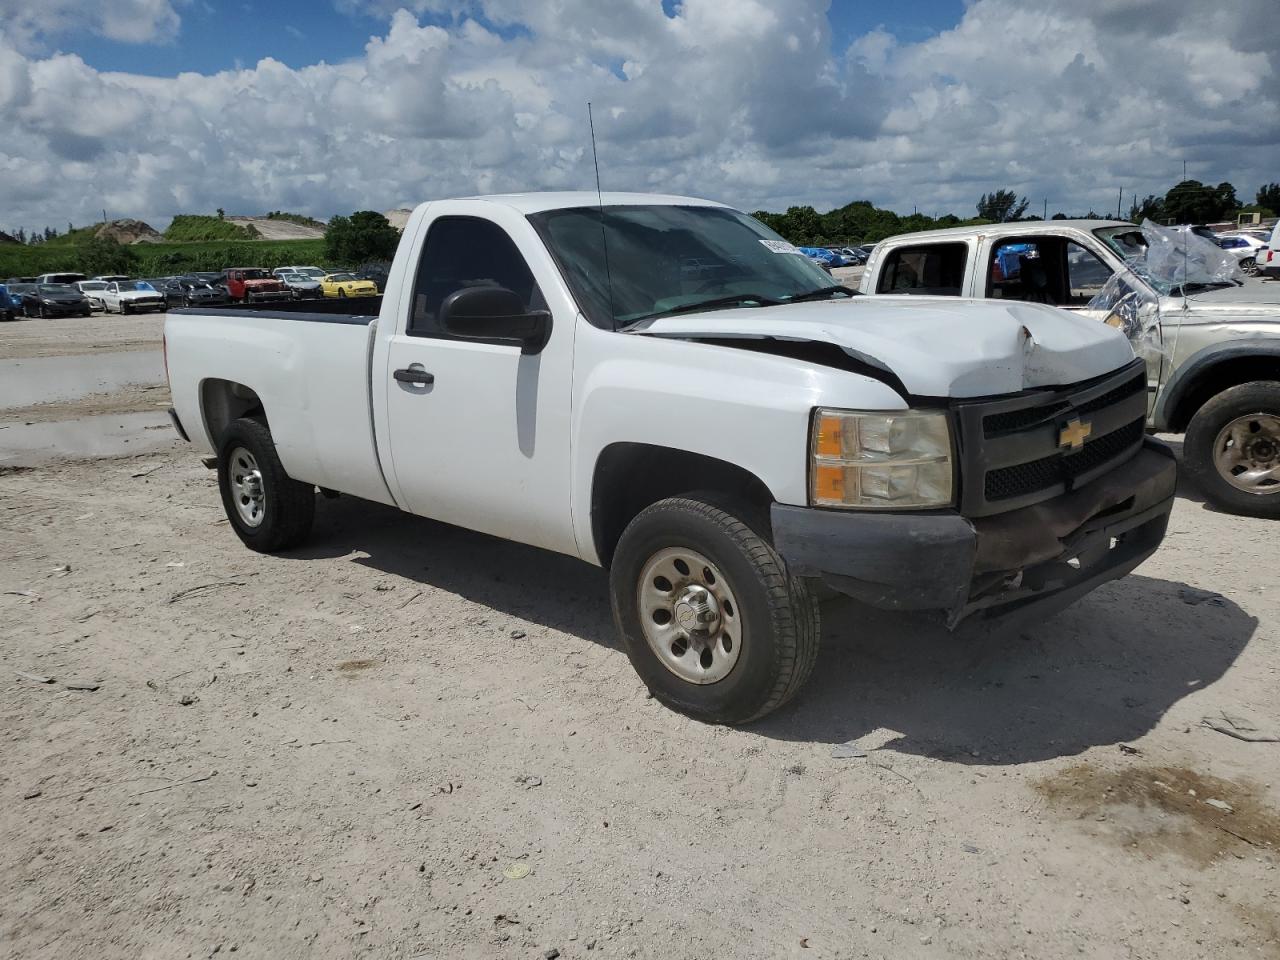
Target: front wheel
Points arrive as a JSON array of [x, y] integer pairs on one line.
[[1232, 449], [711, 620], [1249, 266], [268, 509], [342, 294]]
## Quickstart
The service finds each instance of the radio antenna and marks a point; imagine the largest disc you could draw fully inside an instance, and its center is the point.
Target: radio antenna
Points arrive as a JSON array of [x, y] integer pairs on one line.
[[604, 240]]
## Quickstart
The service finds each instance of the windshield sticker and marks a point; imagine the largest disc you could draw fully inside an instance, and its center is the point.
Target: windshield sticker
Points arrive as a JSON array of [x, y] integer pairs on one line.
[[781, 246]]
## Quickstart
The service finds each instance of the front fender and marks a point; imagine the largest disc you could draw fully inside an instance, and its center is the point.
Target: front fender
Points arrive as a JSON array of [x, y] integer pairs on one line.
[[744, 407], [1188, 372]]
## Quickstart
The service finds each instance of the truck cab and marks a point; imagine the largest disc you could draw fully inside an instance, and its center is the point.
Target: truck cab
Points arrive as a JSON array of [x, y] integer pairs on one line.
[[1212, 348]]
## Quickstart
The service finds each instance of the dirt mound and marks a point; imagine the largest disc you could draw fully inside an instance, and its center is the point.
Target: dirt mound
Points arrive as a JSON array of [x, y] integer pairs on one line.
[[127, 231], [270, 228], [398, 218]]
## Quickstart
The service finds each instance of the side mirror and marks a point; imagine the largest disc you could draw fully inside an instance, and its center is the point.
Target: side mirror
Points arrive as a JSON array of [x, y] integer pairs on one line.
[[494, 313]]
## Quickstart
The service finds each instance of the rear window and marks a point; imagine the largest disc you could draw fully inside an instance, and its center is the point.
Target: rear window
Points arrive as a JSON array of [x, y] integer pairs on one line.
[[935, 269]]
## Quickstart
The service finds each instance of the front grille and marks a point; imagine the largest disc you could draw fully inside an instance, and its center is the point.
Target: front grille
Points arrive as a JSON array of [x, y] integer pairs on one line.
[[1010, 449], [1027, 478]]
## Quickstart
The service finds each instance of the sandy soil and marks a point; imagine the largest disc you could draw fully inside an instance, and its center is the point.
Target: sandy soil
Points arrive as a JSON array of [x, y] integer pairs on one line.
[[408, 740], [131, 399], [270, 229], [101, 333]]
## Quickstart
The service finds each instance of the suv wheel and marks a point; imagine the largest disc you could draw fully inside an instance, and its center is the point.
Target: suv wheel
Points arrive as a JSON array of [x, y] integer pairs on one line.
[[1232, 449], [268, 509], [711, 620]]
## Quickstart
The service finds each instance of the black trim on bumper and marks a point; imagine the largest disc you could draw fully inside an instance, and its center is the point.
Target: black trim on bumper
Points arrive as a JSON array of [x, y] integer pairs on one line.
[[1038, 559], [177, 425]]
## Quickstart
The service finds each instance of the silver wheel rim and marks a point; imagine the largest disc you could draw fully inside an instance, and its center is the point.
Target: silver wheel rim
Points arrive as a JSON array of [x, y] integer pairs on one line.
[[246, 487], [1247, 454], [689, 615]]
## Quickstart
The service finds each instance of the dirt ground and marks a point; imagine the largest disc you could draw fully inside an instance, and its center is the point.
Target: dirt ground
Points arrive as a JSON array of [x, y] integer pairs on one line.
[[408, 740]]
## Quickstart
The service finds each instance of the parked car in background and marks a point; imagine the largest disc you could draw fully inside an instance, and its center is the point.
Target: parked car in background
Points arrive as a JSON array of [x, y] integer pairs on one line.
[[17, 290], [300, 285], [10, 304], [131, 296], [92, 289], [315, 273], [68, 279], [113, 278], [253, 284], [190, 291], [829, 257], [1268, 259], [377, 272], [48, 300], [1211, 342], [1244, 247], [347, 285]]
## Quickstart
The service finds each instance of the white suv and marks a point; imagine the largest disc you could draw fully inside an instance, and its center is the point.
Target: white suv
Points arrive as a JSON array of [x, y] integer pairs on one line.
[[1268, 258]]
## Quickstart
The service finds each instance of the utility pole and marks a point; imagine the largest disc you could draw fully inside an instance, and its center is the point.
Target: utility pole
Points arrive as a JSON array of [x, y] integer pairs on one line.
[[1046, 209], [1184, 170], [1119, 201]]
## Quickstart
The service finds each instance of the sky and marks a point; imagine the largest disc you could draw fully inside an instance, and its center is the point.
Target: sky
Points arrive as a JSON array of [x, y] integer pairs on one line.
[[148, 108]]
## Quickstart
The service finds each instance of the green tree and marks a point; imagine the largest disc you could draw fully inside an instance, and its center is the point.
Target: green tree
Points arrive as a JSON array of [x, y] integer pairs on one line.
[[1001, 206], [1268, 196], [363, 236], [1194, 202], [103, 255]]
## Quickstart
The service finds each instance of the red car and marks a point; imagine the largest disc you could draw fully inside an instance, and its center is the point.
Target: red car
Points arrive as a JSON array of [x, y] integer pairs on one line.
[[251, 284]]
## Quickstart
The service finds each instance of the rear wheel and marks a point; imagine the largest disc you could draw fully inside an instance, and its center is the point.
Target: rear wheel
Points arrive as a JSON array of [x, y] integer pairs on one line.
[[268, 509], [1232, 449], [342, 293], [711, 620], [1249, 266]]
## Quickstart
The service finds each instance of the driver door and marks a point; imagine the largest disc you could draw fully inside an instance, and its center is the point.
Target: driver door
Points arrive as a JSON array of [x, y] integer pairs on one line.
[[481, 440]]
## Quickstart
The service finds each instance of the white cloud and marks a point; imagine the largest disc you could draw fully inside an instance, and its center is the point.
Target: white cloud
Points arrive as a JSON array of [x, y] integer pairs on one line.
[[745, 102], [128, 21]]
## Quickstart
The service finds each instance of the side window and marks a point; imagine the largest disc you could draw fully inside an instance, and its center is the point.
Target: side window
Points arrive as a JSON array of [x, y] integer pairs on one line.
[[466, 252], [936, 269], [1019, 271], [1086, 274]]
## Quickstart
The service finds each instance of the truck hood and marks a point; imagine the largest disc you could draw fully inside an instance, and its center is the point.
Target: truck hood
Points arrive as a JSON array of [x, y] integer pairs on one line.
[[138, 294], [936, 346], [1254, 297]]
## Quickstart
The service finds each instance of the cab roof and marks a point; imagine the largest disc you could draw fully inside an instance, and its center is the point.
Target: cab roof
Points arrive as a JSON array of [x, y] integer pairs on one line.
[[528, 203], [1019, 228]]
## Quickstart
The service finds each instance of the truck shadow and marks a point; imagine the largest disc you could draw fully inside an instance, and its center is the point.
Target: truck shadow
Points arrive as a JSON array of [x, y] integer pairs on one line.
[[1104, 671]]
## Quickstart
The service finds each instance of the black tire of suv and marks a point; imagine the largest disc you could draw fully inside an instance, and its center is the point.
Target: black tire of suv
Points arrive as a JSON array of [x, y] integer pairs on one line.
[[290, 505], [779, 617], [1260, 396]]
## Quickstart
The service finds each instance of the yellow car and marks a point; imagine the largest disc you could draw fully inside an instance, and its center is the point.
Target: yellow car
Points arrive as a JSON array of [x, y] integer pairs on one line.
[[346, 285]]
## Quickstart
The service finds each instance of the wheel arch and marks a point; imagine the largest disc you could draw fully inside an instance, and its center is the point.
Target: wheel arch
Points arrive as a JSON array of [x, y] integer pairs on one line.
[[1212, 370], [224, 401], [631, 476]]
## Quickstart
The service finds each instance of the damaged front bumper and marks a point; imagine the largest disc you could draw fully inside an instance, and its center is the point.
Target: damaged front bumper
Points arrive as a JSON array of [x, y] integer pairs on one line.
[[1035, 560]]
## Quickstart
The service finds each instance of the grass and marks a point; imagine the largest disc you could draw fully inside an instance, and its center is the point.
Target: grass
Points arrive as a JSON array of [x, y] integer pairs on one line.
[[163, 259], [195, 228]]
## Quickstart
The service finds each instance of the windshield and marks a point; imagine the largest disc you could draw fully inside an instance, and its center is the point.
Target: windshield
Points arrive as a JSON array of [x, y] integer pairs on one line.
[[136, 285], [341, 277], [58, 288], [315, 273], [1173, 261], [93, 285], [663, 258], [21, 287]]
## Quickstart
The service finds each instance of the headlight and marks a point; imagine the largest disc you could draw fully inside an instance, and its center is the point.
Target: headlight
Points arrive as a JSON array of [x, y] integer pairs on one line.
[[880, 461]]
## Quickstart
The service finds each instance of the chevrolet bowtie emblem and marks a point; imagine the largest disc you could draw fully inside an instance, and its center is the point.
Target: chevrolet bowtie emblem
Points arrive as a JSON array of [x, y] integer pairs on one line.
[[1074, 434]]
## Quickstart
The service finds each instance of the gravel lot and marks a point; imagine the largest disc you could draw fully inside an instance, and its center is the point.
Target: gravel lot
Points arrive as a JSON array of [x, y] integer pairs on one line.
[[408, 740]]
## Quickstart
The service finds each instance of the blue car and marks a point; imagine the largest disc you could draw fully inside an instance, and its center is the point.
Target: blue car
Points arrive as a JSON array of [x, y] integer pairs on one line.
[[829, 257], [10, 303]]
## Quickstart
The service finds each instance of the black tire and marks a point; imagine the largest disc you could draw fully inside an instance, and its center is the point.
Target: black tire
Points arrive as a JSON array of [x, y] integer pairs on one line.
[[342, 294], [1250, 266], [40, 312], [288, 505], [124, 309], [1260, 397], [777, 615]]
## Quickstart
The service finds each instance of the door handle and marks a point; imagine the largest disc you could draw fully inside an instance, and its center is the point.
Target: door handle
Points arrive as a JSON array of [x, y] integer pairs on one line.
[[409, 375]]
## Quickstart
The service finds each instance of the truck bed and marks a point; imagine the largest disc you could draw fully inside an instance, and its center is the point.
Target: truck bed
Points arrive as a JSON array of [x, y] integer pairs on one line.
[[309, 364]]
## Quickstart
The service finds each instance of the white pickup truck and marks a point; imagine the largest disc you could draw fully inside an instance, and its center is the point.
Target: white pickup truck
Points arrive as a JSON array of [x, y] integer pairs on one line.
[[1211, 342], [664, 387]]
